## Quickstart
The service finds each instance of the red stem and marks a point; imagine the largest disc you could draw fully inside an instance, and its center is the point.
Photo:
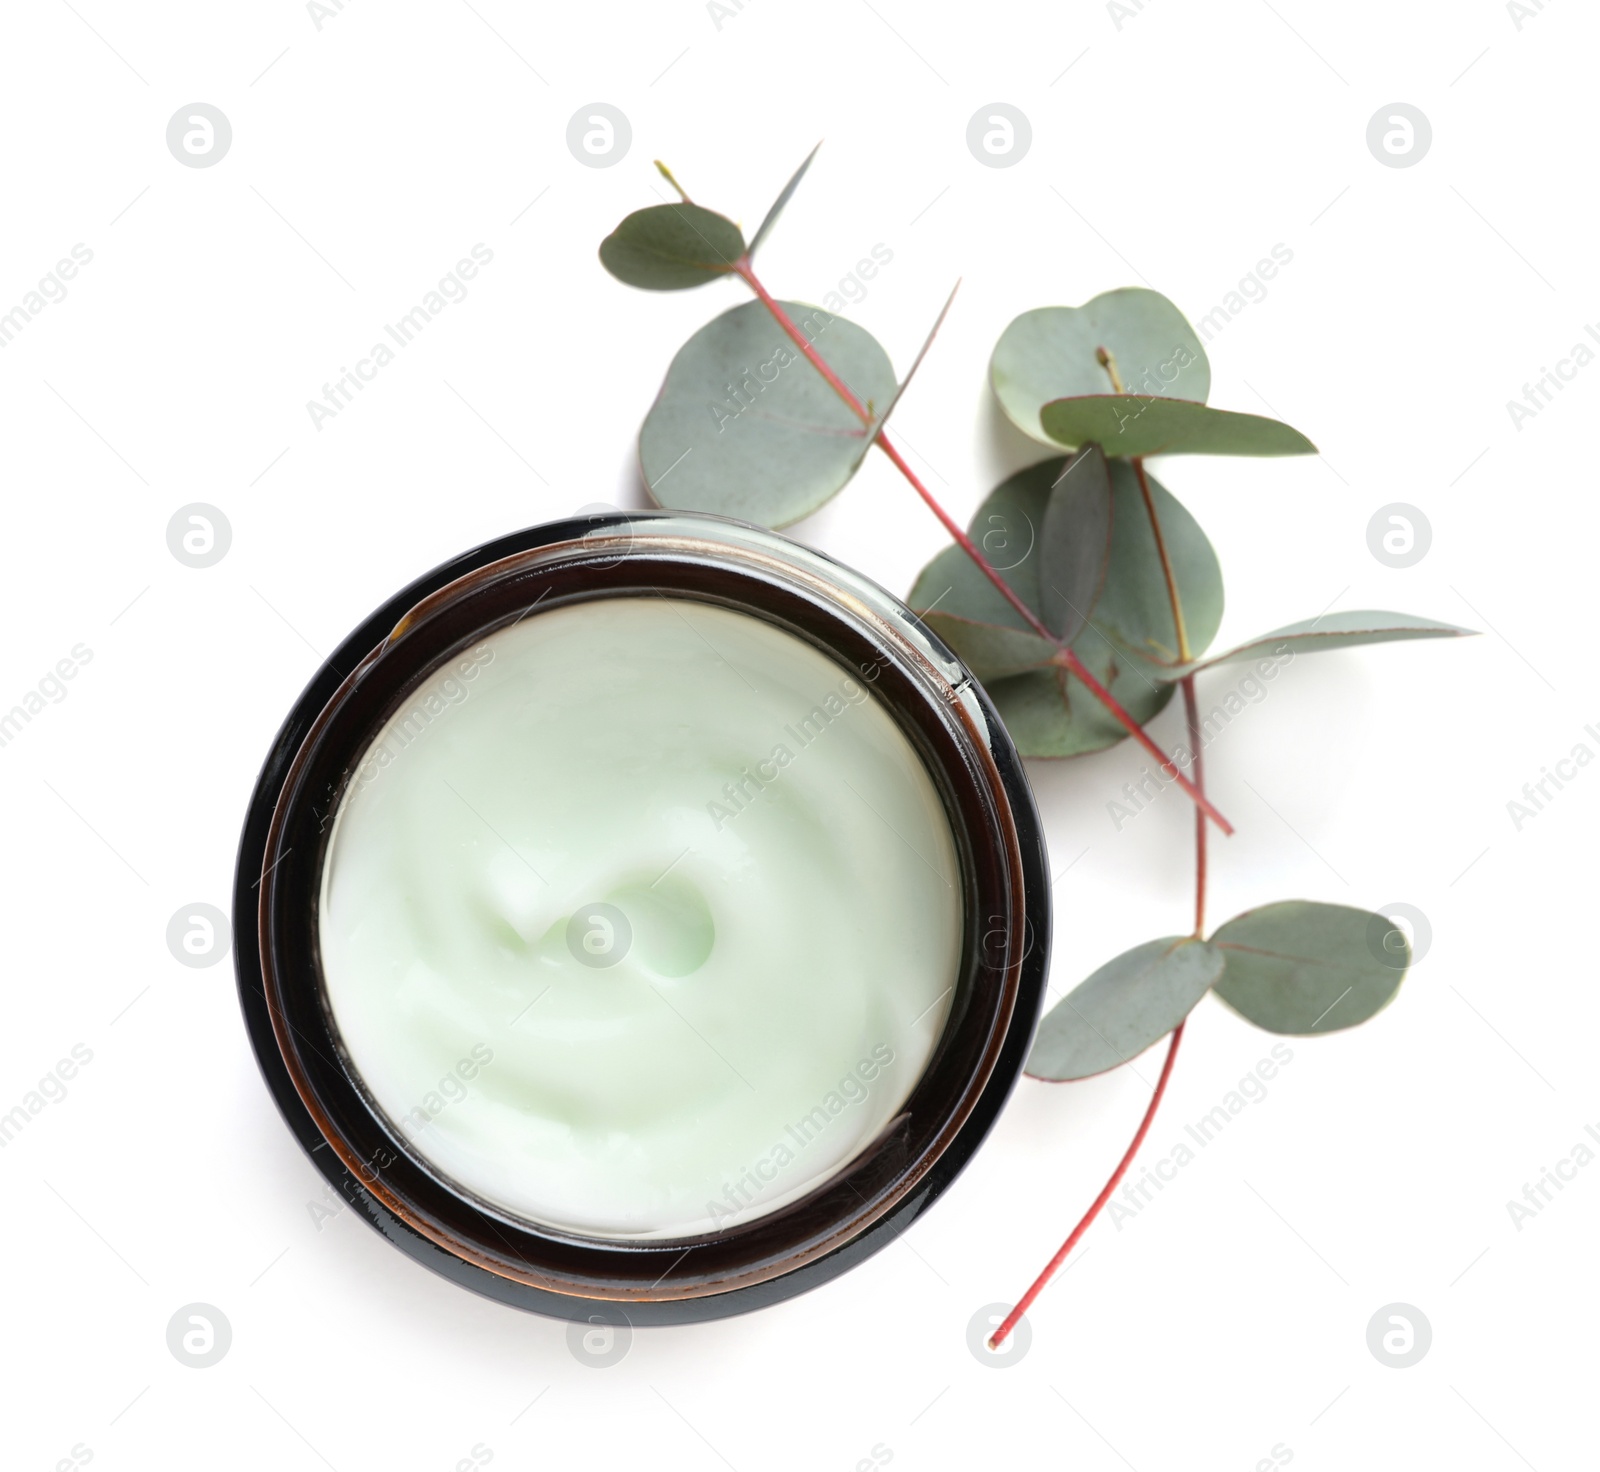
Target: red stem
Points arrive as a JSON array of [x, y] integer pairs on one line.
[[1064, 655], [1179, 630], [1192, 715], [1041, 1282]]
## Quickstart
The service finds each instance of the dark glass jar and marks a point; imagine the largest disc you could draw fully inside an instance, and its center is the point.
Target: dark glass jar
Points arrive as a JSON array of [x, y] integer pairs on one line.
[[868, 1200]]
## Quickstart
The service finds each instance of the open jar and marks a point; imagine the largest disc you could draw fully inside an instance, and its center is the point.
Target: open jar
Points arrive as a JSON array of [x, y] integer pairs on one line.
[[641, 913]]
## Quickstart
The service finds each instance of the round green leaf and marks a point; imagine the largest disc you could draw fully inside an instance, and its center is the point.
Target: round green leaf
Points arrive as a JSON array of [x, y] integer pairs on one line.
[[1134, 424], [1128, 1004], [1050, 353], [1047, 711], [1303, 968], [1133, 609], [964, 607], [744, 426], [672, 246]]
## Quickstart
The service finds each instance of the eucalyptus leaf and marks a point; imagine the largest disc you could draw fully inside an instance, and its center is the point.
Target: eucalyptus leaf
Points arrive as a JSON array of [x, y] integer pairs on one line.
[[1048, 712], [1326, 631], [911, 372], [955, 597], [1130, 1003], [781, 201], [991, 650], [1304, 968], [1133, 424], [668, 247], [745, 427], [1076, 543], [1133, 609], [1050, 353]]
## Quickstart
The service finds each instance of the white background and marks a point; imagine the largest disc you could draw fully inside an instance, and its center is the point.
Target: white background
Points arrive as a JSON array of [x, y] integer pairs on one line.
[[1229, 1315]]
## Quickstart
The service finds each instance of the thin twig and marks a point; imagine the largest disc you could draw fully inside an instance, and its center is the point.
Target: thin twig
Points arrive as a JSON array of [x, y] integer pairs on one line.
[[1178, 625], [1042, 1281]]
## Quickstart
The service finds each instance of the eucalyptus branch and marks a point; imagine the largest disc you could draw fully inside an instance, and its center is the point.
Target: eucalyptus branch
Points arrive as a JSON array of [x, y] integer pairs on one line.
[[1296, 967], [1065, 655]]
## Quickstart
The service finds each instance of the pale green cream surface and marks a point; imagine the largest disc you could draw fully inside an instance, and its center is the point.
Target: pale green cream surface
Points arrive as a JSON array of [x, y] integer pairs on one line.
[[641, 919]]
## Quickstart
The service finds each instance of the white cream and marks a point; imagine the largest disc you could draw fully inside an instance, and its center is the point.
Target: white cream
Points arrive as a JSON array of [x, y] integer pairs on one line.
[[759, 823]]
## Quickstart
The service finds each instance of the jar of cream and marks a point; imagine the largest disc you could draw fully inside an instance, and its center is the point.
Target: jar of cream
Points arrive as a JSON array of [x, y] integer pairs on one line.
[[644, 912]]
